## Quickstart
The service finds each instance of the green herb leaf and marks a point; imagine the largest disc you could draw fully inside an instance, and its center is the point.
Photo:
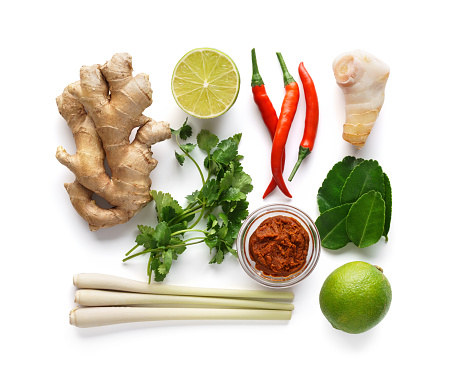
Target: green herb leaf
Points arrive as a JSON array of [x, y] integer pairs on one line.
[[388, 205], [237, 138], [226, 151], [367, 176], [366, 219], [329, 193], [207, 141], [213, 166], [146, 229], [180, 158], [218, 258], [168, 213], [188, 147], [155, 266], [233, 194], [184, 132], [211, 223], [242, 181], [209, 192], [178, 227], [162, 200], [145, 240], [177, 251], [167, 262], [192, 197], [236, 211], [162, 234], [145, 237], [331, 225]]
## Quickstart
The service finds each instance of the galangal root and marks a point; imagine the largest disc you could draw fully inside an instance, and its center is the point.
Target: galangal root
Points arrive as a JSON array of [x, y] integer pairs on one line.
[[101, 110], [363, 78]]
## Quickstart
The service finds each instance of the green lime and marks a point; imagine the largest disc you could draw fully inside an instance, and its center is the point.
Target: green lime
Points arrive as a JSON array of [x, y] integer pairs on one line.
[[205, 83], [355, 297]]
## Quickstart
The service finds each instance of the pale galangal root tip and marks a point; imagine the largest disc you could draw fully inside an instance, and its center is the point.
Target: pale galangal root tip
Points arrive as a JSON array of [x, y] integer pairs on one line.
[[362, 78]]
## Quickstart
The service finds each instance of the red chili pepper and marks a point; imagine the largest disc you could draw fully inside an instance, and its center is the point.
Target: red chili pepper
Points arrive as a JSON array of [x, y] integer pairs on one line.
[[287, 113], [311, 119], [268, 113]]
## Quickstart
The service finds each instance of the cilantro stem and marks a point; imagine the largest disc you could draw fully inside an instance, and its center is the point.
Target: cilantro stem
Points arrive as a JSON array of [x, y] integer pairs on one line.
[[185, 213], [149, 270], [188, 230], [159, 249], [127, 253], [200, 240], [191, 239], [199, 217], [193, 160]]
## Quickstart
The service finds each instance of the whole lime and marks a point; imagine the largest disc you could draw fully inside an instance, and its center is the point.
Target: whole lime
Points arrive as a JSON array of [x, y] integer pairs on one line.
[[355, 297]]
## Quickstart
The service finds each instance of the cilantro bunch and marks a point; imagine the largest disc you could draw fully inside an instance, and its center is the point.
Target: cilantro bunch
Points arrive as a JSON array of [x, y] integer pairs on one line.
[[220, 202]]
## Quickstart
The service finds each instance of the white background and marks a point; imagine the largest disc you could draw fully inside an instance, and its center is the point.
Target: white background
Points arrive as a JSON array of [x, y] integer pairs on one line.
[[417, 140]]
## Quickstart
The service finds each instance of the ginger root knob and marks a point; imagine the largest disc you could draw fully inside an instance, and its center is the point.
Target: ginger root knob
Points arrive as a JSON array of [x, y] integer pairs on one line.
[[101, 124]]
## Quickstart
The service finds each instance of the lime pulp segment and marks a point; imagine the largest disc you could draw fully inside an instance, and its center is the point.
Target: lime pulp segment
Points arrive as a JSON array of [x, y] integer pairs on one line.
[[205, 83]]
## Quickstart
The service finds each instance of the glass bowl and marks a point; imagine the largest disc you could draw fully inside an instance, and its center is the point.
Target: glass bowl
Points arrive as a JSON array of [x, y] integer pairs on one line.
[[252, 223]]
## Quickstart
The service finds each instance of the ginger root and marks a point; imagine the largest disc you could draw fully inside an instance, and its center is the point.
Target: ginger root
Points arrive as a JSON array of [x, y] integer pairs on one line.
[[363, 78], [101, 110]]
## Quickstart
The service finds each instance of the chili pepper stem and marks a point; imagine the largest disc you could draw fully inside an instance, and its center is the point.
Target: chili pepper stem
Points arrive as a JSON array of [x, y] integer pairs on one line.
[[302, 153], [287, 77], [256, 79]]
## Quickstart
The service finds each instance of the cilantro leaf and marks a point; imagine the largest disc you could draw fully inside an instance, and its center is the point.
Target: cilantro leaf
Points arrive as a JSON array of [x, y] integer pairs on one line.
[[233, 194], [218, 258], [226, 151], [226, 181], [162, 200], [209, 192], [236, 211], [207, 141], [242, 181], [168, 213], [144, 239], [180, 158], [188, 147], [236, 138], [167, 262], [212, 222], [193, 197], [178, 227], [146, 229], [154, 267], [162, 234], [213, 166], [184, 132]]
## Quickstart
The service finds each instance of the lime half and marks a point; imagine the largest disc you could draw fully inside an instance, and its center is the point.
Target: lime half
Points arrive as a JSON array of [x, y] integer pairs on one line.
[[205, 83]]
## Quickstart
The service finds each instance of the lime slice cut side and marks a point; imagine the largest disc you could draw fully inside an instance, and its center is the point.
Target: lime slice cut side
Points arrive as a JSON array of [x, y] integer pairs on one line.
[[205, 83]]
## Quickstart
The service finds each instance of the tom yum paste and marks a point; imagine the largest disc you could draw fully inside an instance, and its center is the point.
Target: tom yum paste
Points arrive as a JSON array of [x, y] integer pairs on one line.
[[279, 246]]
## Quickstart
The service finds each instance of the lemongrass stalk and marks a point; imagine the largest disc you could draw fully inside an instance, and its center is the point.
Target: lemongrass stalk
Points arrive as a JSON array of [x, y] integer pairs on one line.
[[100, 298], [103, 316], [108, 282]]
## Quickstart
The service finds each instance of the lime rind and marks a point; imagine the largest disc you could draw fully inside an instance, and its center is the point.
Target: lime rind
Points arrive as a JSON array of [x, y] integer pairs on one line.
[[205, 83]]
